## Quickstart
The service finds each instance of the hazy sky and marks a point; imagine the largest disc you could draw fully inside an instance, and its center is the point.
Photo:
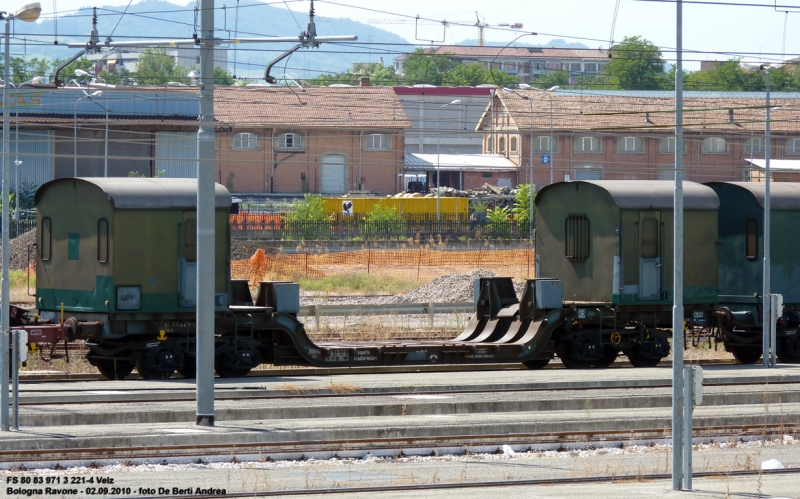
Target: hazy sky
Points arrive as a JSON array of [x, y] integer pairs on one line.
[[744, 30]]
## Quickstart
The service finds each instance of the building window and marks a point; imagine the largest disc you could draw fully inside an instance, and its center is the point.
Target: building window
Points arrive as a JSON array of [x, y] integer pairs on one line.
[[576, 240], [667, 145], [792, 146], [102, 240], [376, 141], [590, 67], [501, 145], [715, 145], [587, 144], [575, 66], [290, 141], [245, 141], [542, 144], [751, 238], [755, 145], [489, 145], [513, 144], [630, 144], [486, 174]]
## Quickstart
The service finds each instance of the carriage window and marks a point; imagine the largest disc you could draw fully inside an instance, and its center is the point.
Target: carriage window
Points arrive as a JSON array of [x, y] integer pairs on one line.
[[751, 238], [190, 240], [649, 229], [576, 242], [46, 243], [102, 240]]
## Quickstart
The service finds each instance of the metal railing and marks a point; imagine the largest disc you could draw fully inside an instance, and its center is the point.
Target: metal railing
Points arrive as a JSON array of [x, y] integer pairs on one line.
[[274, 228], [18, 227]]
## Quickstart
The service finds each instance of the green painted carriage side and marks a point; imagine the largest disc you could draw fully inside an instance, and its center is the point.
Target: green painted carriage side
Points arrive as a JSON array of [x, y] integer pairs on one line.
[[144, 249], [610, 274], [83, 284], [740, 277]]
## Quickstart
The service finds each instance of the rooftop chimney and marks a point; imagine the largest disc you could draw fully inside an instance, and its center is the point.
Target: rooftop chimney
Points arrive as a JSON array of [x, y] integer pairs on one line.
[[365, 81]]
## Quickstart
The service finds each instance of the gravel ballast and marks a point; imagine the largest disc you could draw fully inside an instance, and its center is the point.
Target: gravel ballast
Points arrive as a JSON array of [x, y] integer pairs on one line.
[[18, 250]]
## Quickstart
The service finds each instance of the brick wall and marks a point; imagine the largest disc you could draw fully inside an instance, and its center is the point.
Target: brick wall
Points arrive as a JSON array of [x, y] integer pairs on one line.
[[267, 168]]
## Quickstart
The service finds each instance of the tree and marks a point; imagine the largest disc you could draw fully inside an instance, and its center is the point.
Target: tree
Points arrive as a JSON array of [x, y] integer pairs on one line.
[[548, 80], [423, 66], [636, 64], [728, 76], [157, 67], [378, 75], [68, 72], [476, 74], [223, 76], [522, 204]]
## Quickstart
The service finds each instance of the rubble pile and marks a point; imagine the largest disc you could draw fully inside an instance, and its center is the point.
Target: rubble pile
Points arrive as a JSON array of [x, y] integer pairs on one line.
[[486, 191], [18, 250]]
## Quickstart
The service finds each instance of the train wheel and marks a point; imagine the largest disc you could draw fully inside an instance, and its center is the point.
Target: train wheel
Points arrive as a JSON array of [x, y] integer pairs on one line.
[[113, 368], [608, 358], [149, 368], [746, 354], [789, 350], [538, 362], [189, 367], [564, 352]]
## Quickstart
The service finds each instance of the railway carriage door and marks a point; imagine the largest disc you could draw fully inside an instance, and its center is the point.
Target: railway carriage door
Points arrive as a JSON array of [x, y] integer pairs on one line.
[[188, 260], [649, 255]]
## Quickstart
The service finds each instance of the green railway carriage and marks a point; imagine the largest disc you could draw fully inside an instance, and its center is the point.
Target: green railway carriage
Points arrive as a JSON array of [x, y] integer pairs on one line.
[[612, 241], [741, 265], [109, 246], [611, 244]]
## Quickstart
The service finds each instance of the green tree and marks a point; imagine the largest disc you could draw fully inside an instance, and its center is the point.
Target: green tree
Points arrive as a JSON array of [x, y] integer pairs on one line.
[[728, 76], [423, 66], [157, 67], [522, 204], [381, 220], [68, 72], [548, 80], [378, 75], [498, 223], [476, 74], [223, 76], [308, 219], [636, 64]]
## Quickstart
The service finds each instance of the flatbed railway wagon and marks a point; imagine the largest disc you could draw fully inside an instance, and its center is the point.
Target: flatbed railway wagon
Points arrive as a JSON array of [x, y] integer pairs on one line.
[[115, 266]]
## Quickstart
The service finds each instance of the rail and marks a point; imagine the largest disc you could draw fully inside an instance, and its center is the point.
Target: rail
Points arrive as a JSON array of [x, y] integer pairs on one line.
[[430, 309]]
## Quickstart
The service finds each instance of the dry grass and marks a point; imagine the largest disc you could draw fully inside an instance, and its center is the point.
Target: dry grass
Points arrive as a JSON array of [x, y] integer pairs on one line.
[[343, 388], [294, 389]]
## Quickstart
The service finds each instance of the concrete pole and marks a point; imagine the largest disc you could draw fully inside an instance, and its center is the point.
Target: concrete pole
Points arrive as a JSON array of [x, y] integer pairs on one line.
[[688, 396], [765, 299], [4, 287], [105, 157], [550, 142], [530, 162], [438, 167], [677, 279], [206, 154]]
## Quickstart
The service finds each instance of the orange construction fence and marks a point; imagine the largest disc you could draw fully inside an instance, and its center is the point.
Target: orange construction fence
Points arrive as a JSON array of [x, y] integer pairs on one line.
[[420, 264]]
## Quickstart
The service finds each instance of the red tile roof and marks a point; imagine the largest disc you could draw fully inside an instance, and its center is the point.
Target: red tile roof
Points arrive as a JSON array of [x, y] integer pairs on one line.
[[315, 107], [644, 114], [519, 52]]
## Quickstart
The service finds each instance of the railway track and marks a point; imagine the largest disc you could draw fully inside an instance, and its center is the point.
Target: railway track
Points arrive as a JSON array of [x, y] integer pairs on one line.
[[504, 483], [34, 397], [379, 447]]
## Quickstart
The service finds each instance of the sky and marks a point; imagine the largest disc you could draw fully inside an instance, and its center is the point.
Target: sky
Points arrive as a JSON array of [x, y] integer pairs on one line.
[[711, 32]]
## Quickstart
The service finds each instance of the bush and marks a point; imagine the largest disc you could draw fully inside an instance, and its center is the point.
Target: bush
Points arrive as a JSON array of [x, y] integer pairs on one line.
[[498, 223], [382, 221], [307, 220], [522, 204]]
